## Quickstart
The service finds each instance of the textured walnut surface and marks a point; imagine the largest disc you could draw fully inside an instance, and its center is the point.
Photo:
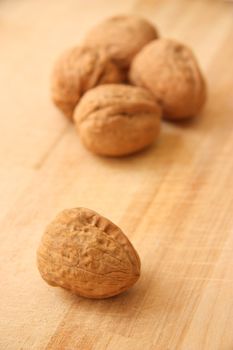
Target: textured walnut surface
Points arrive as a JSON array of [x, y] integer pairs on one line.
[[76, 71], [170, 71], [86, 253], [122, 36], [116, 120]]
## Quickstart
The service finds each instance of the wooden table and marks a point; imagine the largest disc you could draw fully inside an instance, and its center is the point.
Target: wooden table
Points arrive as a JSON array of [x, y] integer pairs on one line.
[[174, 201]]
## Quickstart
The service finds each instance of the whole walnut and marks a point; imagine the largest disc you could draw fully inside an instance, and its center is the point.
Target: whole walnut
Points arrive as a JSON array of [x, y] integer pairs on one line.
[[122, 37], [77, 70], [86, 253], [116, 120], [170, 71]]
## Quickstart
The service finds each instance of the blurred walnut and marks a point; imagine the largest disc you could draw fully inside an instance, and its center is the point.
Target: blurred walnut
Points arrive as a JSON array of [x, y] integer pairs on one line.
[[86, 253], [80, 69], [117, 120], [122, 36], [170, 71]]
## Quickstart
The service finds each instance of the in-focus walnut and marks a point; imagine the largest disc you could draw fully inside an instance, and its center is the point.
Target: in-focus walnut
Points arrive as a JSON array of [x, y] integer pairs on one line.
[[170, 71], [122, 36], [80, 69], [116, 120], [86, 253]]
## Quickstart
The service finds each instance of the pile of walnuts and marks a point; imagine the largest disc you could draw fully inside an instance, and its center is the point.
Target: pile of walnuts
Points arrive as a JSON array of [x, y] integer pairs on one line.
[[121, 81]]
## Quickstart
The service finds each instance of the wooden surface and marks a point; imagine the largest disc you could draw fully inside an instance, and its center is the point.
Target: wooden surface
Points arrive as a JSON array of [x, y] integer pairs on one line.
[[174, 201]]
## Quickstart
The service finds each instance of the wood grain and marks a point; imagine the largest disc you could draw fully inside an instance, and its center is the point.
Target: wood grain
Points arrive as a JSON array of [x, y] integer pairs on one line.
[[174, 201]]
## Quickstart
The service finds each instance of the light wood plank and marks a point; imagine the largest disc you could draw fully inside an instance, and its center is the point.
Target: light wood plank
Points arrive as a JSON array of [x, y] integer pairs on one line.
[[174, 201]]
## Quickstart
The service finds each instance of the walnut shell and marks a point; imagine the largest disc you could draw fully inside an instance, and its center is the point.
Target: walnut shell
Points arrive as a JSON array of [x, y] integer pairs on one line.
[[86, 253], [170, 71], [122, 37], [80, 69], [116, 120]]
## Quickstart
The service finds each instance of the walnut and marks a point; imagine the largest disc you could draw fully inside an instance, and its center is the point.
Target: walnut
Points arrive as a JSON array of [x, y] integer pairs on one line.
[[86, 253], [80, 69], [122, 36], [170, 71], [116, 120]]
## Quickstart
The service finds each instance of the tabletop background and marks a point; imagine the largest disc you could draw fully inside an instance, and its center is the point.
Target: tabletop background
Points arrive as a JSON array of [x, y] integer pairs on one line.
[[174, 201]]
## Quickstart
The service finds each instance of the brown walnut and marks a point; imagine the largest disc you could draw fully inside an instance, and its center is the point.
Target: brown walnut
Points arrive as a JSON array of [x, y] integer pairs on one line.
[[116, 120], [122, 37], [171, 73], [80, 69], [86, 253]]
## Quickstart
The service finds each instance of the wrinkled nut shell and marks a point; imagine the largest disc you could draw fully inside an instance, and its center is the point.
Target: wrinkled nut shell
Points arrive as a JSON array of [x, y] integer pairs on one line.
[[86, 253], [170, 71], [116, 120], [80, 69], [122, 37]]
